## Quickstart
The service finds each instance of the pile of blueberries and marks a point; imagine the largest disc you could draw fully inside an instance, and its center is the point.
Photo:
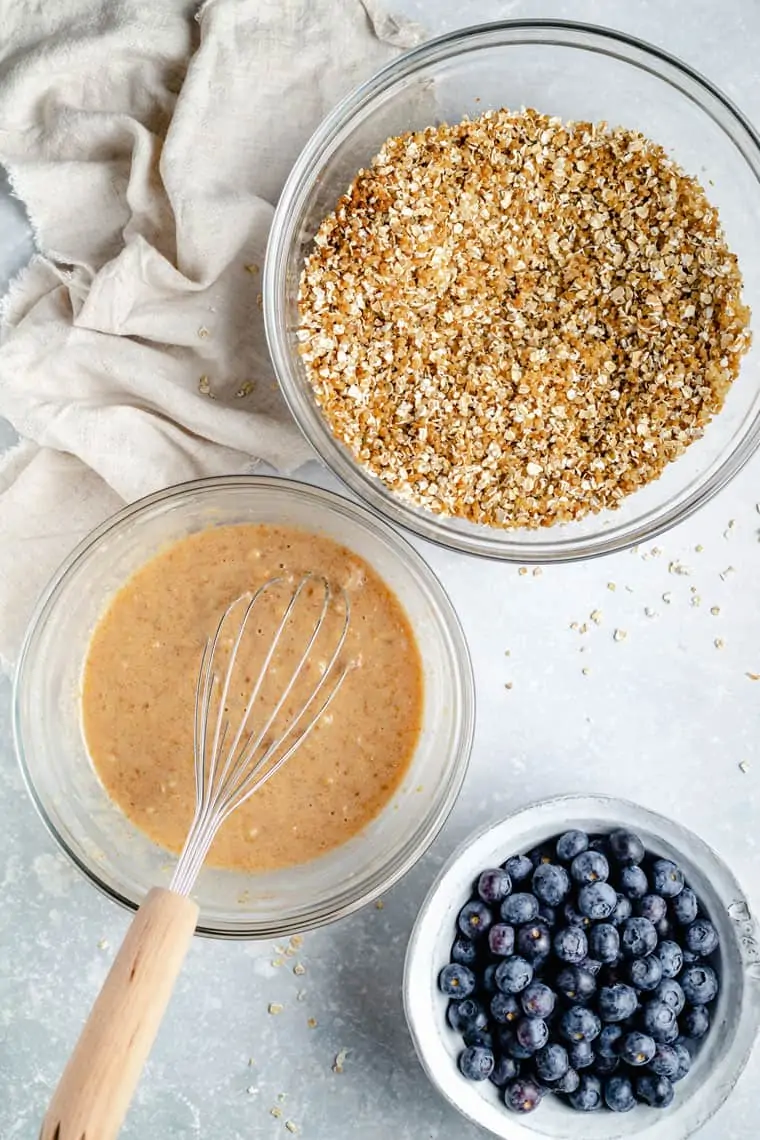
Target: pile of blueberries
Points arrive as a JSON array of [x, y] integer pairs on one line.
[[585, 968]]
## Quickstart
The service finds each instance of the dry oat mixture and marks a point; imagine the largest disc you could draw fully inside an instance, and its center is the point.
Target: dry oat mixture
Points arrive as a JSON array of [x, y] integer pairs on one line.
[[517, 320]]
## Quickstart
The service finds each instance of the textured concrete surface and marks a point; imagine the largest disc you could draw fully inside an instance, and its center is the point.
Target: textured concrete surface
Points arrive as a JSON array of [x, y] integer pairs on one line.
[[663, 717]]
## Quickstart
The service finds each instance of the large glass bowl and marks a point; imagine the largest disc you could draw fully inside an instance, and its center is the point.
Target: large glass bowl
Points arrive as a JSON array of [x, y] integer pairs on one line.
[[104, 844], [577, 72]]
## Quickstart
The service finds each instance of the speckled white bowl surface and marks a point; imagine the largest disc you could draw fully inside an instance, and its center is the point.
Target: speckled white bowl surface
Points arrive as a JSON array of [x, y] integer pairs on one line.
[[735, 1015]]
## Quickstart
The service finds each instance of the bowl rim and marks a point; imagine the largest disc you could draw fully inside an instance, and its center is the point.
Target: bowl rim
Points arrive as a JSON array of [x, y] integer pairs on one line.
[[461, 664], [492, 543], [575, 806]]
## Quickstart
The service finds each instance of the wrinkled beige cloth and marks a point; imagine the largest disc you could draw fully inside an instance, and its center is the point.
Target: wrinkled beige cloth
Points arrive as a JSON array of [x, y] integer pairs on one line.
[[148, 143]]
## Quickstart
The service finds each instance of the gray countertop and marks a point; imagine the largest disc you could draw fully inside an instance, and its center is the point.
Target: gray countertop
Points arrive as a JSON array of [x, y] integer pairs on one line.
[[663, 717]]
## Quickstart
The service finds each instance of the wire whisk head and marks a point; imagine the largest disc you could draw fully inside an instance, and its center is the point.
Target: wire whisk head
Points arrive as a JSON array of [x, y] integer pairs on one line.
[[271, 669]]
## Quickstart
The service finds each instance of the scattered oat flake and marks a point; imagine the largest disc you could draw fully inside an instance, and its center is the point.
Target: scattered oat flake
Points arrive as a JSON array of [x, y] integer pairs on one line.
[[203, 333], [537, 571], [251, 1062], [620, 635], [743, 766], [296, 941], [312, 1023], [507, 652], [656, 551], [611, 586], [583, 628], [667, 597], [714, 610], [278, 961], [275, 1007], [104, 944], [379, 904], [719, 643], [252, 1090], [678, 568], [696, 600], [291, 1126], [245, 390], [699, 548], [523, 571], [596, 617], [340, 1060], [574, 625], [301, 995], [508, 684], [282, 1096], [727, 573], [299, 969], [754, 676], [251, 268], [276, 1112], [204, 387], [585, 671]]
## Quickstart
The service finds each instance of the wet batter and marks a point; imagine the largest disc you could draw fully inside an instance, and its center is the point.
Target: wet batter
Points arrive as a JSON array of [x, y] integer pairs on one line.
[[139, 688]]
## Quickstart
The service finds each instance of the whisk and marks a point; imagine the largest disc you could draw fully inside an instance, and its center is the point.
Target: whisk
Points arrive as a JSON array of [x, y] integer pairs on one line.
[[231, 763]]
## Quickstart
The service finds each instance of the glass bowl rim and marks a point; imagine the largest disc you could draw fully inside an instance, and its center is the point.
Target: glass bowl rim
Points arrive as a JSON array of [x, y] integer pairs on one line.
[[462, 674], [496, 545]]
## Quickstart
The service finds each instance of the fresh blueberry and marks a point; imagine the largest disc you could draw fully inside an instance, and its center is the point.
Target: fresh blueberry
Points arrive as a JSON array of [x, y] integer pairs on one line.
[[550, 883], [603, 1066], [474, 918], [659, 1021], [519, 908], [588, 1096], [690, 959], [541, 854], [633, 882], [656, 1091], [581, 1054], [671, 958], [552, 1062], [516, 1050], [637, 1048], [573, 916], [696, 1021], [532, 1033], [652, 907], [456, 981], [608, 1042], [623, 910], [617, 1002], [575, 983], [494, 885], [519, 867], [534, 941], [701, 937], [597, 900], [488, 981], [684, 906], [667, 878], [580, 1024], [570, 844], [665, 1062], [476, 1063], [684, 1060], [464, 951], [645, 973], [505, 1069], [466, 1015], [626, 847], [513, 975], [538, 1000], [522, 1095], [590, 867], [501, 939], [618, 1094], [569, 1083], [699, 984], [505, 1008], [570, 944], [591, 966], [478, 1037], [547, 914], [603, 939], [638, 937], [671, 993], [665, 928]]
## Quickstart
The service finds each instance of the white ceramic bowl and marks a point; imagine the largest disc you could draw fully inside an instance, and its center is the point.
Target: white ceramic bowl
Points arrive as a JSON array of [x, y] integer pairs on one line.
[[735, 1016]]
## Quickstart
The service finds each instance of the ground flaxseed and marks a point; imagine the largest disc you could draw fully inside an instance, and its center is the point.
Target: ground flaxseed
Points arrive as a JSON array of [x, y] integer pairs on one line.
[[517, 320]]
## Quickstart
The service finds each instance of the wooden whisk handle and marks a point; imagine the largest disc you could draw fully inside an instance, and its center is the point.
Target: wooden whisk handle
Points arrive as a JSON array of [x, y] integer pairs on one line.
[[96, 1088]]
